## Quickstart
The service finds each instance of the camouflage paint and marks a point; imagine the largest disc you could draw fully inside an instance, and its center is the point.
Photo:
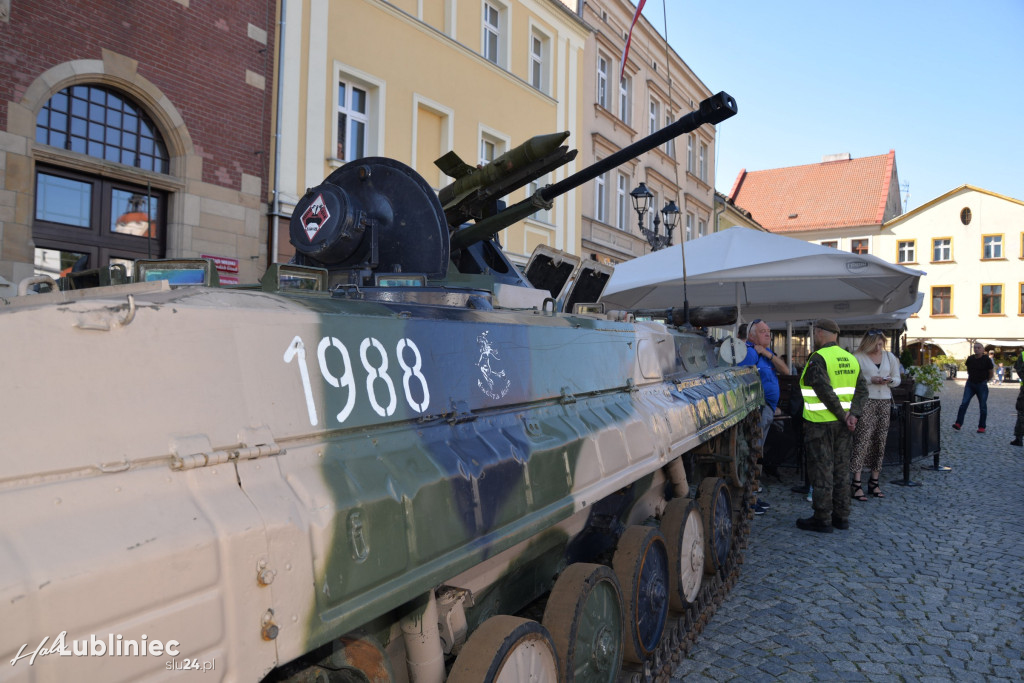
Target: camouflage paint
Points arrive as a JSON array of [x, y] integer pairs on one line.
[[215, 489]]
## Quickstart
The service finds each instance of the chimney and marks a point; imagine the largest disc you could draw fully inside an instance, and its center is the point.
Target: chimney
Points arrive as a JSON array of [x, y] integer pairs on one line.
[[846, 156]]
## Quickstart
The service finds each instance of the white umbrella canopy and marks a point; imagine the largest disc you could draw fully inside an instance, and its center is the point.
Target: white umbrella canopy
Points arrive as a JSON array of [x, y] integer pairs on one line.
[[768, 276], [882, 321]]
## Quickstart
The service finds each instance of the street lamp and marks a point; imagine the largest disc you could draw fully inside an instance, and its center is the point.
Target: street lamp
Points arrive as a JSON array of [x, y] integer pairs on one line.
[[641, 203]]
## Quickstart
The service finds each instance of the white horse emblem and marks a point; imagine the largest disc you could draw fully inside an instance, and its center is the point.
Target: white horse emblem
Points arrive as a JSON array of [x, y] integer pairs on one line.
[[494, 383]]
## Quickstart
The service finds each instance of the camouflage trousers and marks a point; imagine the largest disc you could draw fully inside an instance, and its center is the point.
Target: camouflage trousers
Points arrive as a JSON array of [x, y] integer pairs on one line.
[[1019, 427], [827, 448]]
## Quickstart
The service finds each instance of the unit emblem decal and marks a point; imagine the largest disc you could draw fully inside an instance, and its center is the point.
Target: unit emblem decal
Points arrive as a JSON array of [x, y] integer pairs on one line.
[[494, 383], [315, 217]]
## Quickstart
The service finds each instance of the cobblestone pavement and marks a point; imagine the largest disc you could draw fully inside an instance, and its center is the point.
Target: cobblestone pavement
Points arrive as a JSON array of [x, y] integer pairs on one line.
[[926, 585]]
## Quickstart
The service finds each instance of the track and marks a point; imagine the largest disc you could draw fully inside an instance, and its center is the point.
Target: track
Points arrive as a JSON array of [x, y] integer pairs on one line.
[[683, 629]]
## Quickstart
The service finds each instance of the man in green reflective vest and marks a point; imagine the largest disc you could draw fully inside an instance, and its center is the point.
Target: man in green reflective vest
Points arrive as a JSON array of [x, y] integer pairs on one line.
[[834, 391]]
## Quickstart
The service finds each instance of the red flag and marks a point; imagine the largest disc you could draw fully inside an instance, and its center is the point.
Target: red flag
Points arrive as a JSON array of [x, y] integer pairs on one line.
[[629, 37]]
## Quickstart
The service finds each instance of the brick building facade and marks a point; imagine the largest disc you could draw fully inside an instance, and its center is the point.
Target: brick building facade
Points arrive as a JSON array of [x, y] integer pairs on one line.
[[130, 130]]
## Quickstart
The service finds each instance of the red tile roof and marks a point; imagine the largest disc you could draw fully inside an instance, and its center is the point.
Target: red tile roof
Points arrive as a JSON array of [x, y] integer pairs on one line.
[[832, 194]]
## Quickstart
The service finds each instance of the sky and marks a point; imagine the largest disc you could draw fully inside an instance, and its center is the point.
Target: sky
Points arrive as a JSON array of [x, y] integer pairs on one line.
[[940, 82]]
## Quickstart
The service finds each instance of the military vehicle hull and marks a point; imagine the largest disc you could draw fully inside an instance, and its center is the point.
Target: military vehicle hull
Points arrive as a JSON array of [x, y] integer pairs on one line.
[[393, 460], [323, 465]]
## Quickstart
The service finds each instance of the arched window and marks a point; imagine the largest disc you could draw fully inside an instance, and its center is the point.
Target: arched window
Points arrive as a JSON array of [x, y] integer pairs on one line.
[[93, 120], [83, 219]]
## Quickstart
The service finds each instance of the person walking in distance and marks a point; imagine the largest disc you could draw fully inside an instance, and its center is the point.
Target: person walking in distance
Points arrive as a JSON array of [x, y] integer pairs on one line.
[[980, 370], [834, 391], [1018, 429], [881, 370]]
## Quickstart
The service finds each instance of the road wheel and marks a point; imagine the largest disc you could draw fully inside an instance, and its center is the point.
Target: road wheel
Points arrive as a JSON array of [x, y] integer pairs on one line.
[[584, 616], [683, 529], [507, 649], [716, 509], [641, 566]]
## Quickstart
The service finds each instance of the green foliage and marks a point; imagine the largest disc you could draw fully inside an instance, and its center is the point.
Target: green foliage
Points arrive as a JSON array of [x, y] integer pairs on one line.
[[929, 375], [943, 361], [906, 358]]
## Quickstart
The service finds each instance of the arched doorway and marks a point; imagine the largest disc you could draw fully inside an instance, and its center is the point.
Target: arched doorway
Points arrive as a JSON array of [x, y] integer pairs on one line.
[[923, 351]]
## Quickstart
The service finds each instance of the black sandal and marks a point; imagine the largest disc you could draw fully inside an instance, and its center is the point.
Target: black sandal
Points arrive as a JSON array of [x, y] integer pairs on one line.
[[874, 490], [856, 492]]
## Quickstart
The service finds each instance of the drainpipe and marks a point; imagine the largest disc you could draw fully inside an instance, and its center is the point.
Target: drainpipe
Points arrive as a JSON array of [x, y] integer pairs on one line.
[[275, 210]]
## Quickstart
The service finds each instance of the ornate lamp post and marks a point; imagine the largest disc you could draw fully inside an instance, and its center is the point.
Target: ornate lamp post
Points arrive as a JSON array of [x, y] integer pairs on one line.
[[641, 203]]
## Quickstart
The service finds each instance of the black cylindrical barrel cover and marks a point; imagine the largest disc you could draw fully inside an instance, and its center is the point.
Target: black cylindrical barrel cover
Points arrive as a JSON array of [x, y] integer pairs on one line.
[[325, 224]]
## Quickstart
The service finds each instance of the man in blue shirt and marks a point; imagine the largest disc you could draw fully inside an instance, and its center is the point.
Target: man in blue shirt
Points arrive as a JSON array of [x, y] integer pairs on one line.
[[759, 354]]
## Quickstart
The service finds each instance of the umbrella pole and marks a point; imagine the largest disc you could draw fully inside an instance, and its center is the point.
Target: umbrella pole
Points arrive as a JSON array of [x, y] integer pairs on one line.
[[789, 344], [739, 311]]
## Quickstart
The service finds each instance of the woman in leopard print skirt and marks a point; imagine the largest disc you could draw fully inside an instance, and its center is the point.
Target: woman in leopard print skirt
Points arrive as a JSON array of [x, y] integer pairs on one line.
[[881, 369]]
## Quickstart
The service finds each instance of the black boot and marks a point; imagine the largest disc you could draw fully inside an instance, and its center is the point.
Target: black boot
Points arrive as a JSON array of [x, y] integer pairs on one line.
[[840, 523], [1017, 442], [814, 524]]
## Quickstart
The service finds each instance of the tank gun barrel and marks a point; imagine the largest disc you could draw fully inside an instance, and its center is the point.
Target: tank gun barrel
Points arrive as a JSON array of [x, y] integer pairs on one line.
[[713, 110]]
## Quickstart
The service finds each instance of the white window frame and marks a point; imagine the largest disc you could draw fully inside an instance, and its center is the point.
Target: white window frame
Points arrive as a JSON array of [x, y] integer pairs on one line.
[[487, 150], [499, 140], [654, 118], [905, 251], [602, 80], [626, 100], [670, 146], [357, 122], [376, 95], [495, 51], [689, 226], [601, 198], [702, 227], [690, 153], [622, 201], [992, 247], [702, 161], [540, 61], [947, 249]]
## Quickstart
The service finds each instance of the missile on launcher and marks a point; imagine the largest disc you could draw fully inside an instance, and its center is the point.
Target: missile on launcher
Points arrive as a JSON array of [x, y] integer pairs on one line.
[[475, 192]]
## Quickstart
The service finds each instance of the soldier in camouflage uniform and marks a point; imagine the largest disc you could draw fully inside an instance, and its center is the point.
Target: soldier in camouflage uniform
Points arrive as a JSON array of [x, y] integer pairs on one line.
[[834, 391]]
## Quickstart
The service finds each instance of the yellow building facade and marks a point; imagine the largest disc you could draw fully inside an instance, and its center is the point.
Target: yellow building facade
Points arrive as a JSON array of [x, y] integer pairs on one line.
[[412, 80], [657, 88], [970, 242], [728, 215]]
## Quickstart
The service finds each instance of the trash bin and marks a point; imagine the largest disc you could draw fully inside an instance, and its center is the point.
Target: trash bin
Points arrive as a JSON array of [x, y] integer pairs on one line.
[[923, 428], [895, 443], [894, 439]]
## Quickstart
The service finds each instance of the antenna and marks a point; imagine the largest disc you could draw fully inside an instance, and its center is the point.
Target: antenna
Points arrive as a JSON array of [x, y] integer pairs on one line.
[[675, 166], [905, 189]]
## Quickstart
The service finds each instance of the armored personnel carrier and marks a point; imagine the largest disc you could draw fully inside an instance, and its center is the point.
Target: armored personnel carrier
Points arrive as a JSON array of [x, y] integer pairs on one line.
[[396, 459]]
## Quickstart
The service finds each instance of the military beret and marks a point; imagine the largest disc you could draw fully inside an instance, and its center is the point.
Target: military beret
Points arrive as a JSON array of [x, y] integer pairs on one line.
[[827, 325]]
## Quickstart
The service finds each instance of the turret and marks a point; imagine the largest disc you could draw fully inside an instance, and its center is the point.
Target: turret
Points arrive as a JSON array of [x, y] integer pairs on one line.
[[374, 216]]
